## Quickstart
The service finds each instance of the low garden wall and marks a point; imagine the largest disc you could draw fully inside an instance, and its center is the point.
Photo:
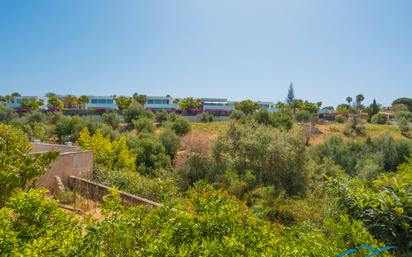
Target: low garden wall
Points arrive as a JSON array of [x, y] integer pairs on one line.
[[96, 192]]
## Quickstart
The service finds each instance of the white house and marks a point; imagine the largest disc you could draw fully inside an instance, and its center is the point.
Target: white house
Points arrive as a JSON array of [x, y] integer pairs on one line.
[[101, 102]]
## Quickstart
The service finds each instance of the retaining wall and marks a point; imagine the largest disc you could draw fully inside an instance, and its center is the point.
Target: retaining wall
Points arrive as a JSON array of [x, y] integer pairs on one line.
[[96, 191]]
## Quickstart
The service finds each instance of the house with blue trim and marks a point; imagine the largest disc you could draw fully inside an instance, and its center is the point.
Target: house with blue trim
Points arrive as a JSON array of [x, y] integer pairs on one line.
[[101, 102], [17, 100], [217, 105], [159, 103], [269, 106]]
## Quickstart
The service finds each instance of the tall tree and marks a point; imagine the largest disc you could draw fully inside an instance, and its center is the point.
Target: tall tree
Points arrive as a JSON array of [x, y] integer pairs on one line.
[[123, 102], [54, 102], [17, 166], [190, 103], [349, 99], [291, 94], [373, 109], [359, 100], [141, 99], [70, 101], [247, 106], [83, 100], [15, 94], [9, 98], [50, 94]]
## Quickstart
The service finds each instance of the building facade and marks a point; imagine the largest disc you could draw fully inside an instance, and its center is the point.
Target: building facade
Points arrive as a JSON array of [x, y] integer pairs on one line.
[[101, 102], [217, 105], [159, 103], [269, 106], [17, 100]]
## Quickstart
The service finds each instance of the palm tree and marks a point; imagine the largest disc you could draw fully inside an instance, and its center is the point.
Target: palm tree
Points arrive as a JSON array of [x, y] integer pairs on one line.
[[349, 99], [83, 100], [70, 101]]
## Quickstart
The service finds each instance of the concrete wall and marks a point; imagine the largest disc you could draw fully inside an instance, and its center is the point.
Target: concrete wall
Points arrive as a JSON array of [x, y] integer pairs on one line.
[[71, 162], [42, 147], [96, 191]]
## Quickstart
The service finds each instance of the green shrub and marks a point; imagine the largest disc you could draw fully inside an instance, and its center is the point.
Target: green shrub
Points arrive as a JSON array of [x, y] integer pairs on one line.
[[150, 152], [179, 125], [384, 206], [68, 128], [340, 119], [133, 111], [170, 141], [162, 188], [112, 119], [403, 126], [280, 120], [144, 125], [36, 226], [275, 158], [302, 116], [17, 166], [7, 114], [237, 115], [205, 117], [161, 116], [37, 117], [379, 118], [65, 197], [404, 114]]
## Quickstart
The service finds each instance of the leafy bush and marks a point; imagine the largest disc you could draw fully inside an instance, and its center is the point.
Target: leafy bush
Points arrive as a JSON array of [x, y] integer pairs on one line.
[[150, 152], [340, 119], [36, 117], [106, 153], [68, 128], [379, 118], [302, 116], [280, 120], [35, 226], [36, 130], [237, 115], [161, 116], [144, 125], [354, 127], [403, 126], [205, 117], [17, 166], [133, 111], [170, 141], [179, 125], [271, 156], [7, 114], [384, 151], [162, 188], [384, 206], [111, 119], [404, 114], [213, 224]]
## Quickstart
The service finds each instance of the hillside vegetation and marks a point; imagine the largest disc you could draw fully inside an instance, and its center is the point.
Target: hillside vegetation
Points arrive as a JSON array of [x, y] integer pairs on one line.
[[261, 184]]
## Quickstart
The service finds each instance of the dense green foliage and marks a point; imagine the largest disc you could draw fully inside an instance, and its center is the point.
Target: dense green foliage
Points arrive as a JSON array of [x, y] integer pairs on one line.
[[17, 166], [379, 118], [257, 189], [384, 205], [255, 155], [362, 157]]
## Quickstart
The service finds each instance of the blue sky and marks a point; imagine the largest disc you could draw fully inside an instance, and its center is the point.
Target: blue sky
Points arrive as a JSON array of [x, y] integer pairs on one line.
[[216, 48]]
